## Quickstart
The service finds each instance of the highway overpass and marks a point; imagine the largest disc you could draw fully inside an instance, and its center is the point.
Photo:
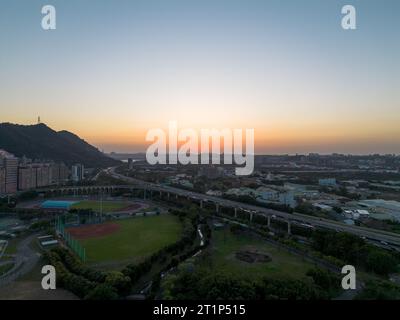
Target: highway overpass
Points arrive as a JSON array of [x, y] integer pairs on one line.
[[370, 234]]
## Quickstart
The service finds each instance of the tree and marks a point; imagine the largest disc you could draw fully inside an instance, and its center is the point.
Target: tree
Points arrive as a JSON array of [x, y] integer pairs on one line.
[[102, 292], [119, 281], [380, 262], [326, 280], [379, 290]]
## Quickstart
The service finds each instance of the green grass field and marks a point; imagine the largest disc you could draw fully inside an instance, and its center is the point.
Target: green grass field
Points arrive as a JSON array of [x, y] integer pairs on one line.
[[108, 206], [283, 264], [138, 237]]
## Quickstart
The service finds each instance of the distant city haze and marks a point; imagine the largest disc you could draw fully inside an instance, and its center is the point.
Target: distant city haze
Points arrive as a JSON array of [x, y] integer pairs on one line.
[[112, 70]]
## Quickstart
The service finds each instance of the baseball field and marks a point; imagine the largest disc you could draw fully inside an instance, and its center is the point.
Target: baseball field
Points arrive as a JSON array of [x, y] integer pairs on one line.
[[128, 240]]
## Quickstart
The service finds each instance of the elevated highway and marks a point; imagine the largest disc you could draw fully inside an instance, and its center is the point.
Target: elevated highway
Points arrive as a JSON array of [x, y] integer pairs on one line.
[[297, 218]]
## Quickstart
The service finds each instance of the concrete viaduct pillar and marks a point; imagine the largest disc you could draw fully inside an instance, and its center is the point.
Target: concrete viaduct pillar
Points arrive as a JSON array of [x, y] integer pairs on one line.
[[268, 221], [289, 229], [201, 204], [251, 216], [217, 207], [235, 213]]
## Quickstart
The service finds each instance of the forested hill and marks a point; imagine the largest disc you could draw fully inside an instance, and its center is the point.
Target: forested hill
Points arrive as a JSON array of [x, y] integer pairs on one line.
[[41, 142]]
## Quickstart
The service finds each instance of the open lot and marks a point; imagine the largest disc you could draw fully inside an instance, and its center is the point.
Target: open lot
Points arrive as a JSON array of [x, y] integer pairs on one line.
[[283, 264], [132, 239]]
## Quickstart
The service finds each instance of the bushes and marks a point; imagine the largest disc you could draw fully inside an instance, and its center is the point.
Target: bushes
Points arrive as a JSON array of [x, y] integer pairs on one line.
[[73, 264], [380, 290], [288, 289], [120, 282], [135, 271], [102, 292], [380, 262], [328, 281], [86, 282], [78, 284], [205, 284], [354, 250]]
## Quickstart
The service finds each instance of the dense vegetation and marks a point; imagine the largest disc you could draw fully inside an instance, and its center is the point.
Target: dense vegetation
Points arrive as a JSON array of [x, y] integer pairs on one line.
[[86, 282], [204, 283], [380, 290], [354, 250]]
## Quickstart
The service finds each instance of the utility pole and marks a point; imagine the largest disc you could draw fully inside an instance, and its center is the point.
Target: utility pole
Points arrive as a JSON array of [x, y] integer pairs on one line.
[[101, 206]]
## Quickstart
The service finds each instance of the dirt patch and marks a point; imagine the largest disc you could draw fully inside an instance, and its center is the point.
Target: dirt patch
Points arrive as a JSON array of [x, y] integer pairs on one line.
[[94, 230], [252, 256]]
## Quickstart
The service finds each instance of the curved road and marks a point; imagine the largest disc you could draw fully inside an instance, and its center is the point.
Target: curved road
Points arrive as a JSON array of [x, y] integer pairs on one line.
[[25, 260]]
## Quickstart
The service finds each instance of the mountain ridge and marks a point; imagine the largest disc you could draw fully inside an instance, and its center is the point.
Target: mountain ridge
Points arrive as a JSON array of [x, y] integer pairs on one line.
[[41, 142]]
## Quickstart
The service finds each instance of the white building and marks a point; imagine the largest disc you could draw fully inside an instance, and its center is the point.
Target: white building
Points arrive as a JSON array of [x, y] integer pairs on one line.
[[215, 193], [241, 192], [78, 172], [355, 214], [264, 194], [328, 182]]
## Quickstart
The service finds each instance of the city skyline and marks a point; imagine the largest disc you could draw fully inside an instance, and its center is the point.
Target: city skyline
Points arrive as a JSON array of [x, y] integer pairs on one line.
[[111, 72]]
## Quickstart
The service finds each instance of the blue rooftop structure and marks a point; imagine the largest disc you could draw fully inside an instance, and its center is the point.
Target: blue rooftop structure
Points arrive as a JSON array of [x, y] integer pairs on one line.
[[57, 204]]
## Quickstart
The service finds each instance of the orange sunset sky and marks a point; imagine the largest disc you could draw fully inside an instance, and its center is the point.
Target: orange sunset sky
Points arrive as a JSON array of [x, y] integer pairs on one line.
[[289, 72]]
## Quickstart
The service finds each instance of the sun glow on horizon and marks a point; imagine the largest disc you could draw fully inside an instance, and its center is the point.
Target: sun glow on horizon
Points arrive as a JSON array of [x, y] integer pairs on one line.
[[300, 81]]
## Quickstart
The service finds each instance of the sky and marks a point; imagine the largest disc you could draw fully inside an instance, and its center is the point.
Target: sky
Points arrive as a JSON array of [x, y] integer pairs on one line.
[[113, 69]]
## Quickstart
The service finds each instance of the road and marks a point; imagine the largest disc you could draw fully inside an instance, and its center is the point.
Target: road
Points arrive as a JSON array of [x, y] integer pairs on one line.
[[371, 234], [25, 260]]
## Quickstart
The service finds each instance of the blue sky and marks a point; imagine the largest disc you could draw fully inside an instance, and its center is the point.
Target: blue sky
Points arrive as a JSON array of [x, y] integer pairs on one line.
[[114, 69]]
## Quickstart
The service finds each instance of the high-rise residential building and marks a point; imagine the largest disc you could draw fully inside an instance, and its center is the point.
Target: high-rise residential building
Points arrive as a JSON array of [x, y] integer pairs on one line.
[[10, 165], [64, 173], [43, 174], [2, 180], [77, 172], [22, 174], [37, 175], [26, 177], [59, 173], [55, 173]]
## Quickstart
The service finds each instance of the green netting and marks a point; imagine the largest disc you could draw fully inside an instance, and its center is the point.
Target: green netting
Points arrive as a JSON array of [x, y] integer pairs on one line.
[[72, 243]]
